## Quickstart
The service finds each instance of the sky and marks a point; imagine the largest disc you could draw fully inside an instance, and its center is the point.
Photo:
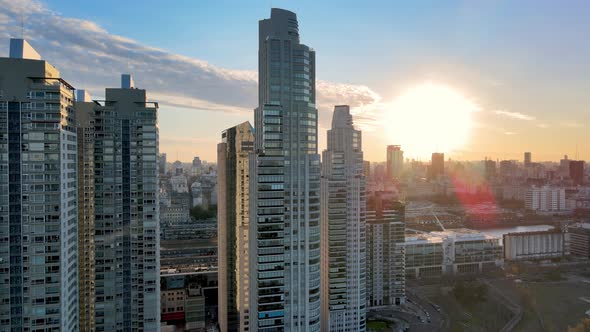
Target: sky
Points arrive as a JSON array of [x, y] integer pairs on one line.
[[520, 70]]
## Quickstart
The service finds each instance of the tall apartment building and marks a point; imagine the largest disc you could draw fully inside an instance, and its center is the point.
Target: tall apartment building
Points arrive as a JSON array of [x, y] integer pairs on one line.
[[285, 191], [232, 218], [127, 230], [395, 161], [545, 199], [38, 195], [85, 129], [386, 280], [343, 227]]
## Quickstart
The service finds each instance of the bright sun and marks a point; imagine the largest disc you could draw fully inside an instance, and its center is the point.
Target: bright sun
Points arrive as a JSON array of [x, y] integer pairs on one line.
[[429, 118]]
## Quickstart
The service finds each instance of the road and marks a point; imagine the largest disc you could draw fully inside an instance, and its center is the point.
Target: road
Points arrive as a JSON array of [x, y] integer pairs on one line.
[[419, 313]]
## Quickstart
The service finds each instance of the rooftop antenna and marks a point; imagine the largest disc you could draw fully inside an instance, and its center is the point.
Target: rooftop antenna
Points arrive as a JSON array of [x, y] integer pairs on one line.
[[22, 26]]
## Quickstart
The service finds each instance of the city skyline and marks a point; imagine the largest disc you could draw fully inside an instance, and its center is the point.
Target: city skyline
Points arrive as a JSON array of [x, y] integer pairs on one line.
[[512, 104]]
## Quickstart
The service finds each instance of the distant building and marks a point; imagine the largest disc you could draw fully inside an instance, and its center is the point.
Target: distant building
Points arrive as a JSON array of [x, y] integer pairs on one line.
[[456, 251], [564, 166], [179, 183], [527, 159], [490, 169], [162, 163], [576, 171], [508, 168], [196, 166], [580, 239], [395, 161], [437, 165], [545, 199], [237, 143], [535, 245], [367, 169], [385, 267]]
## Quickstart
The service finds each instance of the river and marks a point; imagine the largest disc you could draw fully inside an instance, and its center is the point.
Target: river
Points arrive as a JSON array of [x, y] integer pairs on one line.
[[499, 232]]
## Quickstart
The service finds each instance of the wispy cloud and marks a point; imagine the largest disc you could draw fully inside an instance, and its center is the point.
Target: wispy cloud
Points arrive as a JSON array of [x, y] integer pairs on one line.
[[91, 57], [542, 125], [572, 125], [509, 133], [515, 115]]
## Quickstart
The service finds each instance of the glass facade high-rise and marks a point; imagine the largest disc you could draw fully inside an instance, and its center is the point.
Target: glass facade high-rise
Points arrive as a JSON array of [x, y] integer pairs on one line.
[[85, 129], [38, 195], [343, 227], [285, 183], [127, 230], [233, 221]]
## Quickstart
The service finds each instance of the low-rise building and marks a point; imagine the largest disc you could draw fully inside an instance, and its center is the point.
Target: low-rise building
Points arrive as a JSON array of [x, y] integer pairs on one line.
[[579, 239], [535, 245], [455, 251]]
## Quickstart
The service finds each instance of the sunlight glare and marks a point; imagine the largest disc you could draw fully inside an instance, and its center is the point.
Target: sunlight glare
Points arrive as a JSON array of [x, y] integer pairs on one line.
[[428, 118]]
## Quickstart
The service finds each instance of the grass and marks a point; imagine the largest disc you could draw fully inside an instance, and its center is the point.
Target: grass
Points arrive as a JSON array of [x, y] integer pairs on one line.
[[377, 325]]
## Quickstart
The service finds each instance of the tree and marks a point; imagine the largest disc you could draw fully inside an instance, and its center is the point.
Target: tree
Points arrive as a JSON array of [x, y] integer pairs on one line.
[[583, 326]]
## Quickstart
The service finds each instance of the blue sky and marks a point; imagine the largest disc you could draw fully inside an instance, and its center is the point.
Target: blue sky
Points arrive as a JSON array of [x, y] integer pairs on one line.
[[528, 58]]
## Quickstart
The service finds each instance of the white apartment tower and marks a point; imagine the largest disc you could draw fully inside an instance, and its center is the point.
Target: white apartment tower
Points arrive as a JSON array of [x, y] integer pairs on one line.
[[38, 195], [285, 183], [343, 227]]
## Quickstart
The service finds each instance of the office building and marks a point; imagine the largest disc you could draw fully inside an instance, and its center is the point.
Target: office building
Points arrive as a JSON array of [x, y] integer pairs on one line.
[[535, 245], [38, 195], [127, 228], [576, 171], [285, 183], [527, 159], [232, 216], [545, 199], [437, 165], [395, 161], [85, 130], [449, 252], [343, 227], [385, 250]]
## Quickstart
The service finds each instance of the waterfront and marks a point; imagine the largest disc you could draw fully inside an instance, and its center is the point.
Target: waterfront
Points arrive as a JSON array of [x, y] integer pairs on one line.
[[499, 232]]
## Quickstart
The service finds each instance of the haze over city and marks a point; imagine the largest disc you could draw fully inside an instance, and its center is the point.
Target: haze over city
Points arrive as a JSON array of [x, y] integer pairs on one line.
[[470, 79]]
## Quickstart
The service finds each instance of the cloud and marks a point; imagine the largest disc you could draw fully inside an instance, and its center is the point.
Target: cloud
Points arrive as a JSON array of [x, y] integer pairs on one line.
[[91, 58], [572, 125], [509, 133], [542, 125], [515, 115]]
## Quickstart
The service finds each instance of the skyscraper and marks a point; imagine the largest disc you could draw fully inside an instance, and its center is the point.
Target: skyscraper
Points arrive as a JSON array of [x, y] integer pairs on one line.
[[85, 129], [38, 213], [437, 165], [386, 276], [527, 159], [395, 161], [232, 219], [343, 227], [577, 171], [285, 183], [127, 228]]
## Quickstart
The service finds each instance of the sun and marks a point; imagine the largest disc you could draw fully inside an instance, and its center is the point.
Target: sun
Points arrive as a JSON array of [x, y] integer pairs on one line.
[[429, 117]]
